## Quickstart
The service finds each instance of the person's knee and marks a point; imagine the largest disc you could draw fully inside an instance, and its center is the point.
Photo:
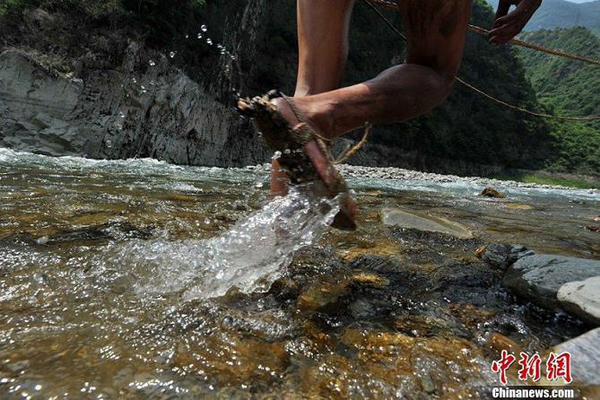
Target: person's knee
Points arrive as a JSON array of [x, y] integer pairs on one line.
[[446, 86], [441, 86]]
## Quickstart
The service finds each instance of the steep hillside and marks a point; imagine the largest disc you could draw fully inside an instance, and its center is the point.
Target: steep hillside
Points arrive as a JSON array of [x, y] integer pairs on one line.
[[562, 84], [568, 87], [564, 14]]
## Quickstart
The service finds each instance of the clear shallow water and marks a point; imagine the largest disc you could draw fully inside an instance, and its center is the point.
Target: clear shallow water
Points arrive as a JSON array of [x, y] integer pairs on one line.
[[116, 281]]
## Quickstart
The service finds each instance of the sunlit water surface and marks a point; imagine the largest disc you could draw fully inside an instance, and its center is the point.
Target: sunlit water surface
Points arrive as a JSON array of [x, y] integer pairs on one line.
[[139, 279]]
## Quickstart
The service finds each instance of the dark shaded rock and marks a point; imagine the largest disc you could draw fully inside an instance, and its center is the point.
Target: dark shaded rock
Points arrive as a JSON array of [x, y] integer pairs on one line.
[[582, 299], [502, 256], [539, 277], [585, 356], [362, 309], [493, 193]]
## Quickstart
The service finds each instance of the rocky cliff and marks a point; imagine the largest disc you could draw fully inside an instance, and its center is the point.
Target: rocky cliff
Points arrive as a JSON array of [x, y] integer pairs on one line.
[[134, 103]]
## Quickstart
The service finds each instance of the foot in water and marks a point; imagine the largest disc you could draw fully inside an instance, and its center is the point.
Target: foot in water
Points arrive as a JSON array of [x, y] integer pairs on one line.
[[304, 152]]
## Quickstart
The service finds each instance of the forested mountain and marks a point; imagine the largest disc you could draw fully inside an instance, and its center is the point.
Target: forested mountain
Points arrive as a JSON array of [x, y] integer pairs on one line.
[[564, 14], [568, 87]]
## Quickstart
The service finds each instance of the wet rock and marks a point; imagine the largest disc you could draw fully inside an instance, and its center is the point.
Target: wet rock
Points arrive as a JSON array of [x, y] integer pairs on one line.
[[408, 220], [324, 297], [499, 342], [421, 325], [592, 228], [501, 256], [362, 309], [384, 248], [371, 280], [539, 277], [17, 366], [493, 193], [582, 298], [521, 207], [585, 356]]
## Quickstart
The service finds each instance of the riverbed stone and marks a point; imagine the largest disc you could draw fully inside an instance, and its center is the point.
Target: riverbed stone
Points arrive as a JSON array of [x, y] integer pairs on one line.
[[585, 357], [582, 298], [410, 220], [501, 256], [493, 193], [323, 297], [539, 277]]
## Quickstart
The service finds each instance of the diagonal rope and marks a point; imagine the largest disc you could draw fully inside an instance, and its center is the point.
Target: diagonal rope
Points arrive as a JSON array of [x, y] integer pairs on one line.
[[394, 4], [559, 53]]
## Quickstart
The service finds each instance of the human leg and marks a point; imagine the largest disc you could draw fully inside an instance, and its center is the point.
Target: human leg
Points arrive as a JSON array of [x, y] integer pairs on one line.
[[436, 31], [323, 49]]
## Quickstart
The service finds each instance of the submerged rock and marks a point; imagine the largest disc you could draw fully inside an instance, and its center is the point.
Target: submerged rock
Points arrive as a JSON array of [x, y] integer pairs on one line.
[[404, 219], [323, 297], [539, 277], [582, 298], [502, 256], [585, 356]]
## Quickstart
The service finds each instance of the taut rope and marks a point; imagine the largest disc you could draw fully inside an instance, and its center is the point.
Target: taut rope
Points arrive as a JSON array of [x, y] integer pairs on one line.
[[516, 42]]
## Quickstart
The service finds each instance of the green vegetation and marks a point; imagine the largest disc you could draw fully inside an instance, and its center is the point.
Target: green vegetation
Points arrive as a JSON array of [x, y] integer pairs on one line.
[[568, 88], [545, 178], [561, 84], [91, 7], [564, 14], [160, 20]]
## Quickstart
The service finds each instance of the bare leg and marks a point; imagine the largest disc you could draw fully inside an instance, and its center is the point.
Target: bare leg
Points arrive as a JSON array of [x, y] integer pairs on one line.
[[323, 49], [436, 31]]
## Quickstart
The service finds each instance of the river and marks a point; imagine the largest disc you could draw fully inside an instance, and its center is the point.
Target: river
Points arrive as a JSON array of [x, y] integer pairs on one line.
[[140, 279]]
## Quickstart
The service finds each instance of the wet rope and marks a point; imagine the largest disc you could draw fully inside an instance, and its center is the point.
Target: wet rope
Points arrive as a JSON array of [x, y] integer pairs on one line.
[[394, 4], [348, 154]]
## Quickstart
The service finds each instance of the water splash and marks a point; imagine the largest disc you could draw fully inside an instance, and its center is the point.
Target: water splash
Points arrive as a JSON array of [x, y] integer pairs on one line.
[[250, 256]]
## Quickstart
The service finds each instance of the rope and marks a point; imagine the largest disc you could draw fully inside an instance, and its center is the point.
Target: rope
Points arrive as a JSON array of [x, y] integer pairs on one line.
[[559, 53], [348, 154], [476, 29]]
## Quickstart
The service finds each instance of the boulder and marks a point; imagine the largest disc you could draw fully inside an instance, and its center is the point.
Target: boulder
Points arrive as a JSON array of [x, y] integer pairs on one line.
[[585, 357], [502, 256], [493, 193], [409, 220], [582, 298], [539, 277]]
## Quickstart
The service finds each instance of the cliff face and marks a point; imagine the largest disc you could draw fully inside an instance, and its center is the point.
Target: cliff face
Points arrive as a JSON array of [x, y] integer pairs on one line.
[[133, 102], [123, 96]]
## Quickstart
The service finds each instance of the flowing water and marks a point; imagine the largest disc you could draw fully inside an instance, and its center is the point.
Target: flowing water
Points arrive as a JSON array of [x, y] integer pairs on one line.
[[139, 279]]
